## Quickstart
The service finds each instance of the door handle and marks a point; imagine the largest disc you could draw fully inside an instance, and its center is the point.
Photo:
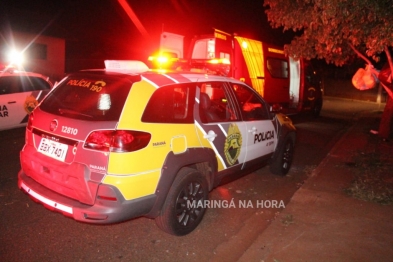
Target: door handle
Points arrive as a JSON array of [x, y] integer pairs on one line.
[[210, 136], [253, 130]]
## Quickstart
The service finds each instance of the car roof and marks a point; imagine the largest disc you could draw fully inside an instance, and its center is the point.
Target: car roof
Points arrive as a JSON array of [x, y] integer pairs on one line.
[[12, 72], [163, 77], [186, 76]]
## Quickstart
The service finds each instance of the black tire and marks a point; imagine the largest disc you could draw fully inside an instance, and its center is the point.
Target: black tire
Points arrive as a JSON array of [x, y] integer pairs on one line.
[[282, 161], [181, 213], [316, 111]]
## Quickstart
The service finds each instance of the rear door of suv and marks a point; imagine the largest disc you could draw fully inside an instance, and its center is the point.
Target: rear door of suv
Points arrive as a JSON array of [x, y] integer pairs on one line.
[[220, 124], [72, 132]]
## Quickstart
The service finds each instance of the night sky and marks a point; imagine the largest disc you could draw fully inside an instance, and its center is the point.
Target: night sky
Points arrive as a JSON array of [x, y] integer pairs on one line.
[[101, 29]]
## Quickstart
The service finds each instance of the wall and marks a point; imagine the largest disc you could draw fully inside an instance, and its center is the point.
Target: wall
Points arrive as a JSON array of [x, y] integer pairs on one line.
[[43, 54]]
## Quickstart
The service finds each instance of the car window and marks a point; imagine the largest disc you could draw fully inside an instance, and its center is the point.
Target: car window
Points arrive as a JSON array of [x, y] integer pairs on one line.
[[171, 104], [251, 105], [89, 97], [277, 68], [18, 84], [215, 103]]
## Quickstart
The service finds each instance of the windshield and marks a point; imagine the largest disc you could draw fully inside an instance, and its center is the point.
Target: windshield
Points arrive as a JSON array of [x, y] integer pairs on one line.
[[95, 97], [18, 84]]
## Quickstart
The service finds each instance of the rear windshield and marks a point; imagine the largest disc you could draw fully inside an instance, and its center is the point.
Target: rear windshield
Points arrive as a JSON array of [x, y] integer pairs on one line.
[[89, 97]]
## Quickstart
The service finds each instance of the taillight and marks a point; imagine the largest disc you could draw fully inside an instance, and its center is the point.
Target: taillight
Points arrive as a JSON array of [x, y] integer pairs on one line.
[[30, 121], [117, 140]]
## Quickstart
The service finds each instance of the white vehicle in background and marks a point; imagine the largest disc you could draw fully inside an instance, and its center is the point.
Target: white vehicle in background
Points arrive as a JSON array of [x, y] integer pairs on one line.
[[20, 93]]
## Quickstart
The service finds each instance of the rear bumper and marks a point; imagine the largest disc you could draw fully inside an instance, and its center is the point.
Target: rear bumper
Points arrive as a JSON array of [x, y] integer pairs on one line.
[[101, 212]]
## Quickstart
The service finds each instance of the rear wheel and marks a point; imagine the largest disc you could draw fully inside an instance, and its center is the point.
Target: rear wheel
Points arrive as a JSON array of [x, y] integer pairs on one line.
[[282, 161], [316, 110], [184, 207]]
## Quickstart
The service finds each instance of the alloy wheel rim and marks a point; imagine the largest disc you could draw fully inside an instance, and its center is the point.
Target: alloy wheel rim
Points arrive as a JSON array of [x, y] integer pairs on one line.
[[189, 204], [287, 156]]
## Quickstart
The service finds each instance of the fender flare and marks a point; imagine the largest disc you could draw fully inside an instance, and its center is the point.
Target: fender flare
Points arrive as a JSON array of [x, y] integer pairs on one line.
[[284, 133], [172, 164]]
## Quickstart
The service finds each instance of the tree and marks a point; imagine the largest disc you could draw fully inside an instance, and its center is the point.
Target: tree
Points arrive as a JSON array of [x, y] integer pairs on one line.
[[337, 30]]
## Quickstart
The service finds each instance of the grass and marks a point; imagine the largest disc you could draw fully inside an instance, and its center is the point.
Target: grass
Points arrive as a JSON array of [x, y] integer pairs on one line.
[[373, 177], [287, 220]]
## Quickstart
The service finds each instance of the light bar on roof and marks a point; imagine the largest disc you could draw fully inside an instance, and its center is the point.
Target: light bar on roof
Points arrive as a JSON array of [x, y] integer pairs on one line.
[[132, 66]]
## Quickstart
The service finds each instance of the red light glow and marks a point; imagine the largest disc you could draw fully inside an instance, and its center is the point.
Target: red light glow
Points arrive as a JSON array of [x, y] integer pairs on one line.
[[131, 14]]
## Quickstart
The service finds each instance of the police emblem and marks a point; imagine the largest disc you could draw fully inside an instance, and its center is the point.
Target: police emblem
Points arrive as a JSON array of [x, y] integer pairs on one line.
[[30, 104], [233, 144]]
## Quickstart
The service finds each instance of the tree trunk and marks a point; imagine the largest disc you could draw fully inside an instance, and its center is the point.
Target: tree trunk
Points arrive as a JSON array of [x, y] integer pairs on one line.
[[385, 77], [386, 119]]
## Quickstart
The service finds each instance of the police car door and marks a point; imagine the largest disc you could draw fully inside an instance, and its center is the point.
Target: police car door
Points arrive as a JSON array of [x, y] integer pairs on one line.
[[11, 102], [219, 124], [261, 135], [19, 95]]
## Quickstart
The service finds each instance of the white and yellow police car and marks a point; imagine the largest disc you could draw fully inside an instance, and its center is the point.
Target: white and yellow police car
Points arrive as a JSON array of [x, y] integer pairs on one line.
[[20, 92], [113, 144]]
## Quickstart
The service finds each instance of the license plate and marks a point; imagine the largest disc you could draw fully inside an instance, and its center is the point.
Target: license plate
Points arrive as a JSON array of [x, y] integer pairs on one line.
[[53, 149]]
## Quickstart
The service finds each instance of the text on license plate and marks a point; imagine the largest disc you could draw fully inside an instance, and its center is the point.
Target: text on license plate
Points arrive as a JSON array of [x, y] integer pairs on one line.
[[53, 149]]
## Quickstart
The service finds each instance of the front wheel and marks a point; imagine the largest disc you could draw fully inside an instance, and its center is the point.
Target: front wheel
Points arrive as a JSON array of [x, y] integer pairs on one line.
[[283, 159], [184, 206]]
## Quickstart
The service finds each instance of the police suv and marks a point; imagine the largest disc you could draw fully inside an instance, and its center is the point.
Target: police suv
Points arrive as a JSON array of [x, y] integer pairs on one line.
[[113, 144], [20, 92]]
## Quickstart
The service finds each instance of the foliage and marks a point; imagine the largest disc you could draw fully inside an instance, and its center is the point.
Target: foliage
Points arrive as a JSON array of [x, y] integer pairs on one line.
[[329, 29]]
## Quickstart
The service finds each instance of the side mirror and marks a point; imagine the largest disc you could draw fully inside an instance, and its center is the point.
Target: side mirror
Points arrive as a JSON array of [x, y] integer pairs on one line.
[[275, 108]]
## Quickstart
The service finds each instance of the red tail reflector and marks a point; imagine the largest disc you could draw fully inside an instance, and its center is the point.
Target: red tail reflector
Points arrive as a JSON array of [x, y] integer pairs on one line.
[[106, 192], [117, 140], [30, 121]]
